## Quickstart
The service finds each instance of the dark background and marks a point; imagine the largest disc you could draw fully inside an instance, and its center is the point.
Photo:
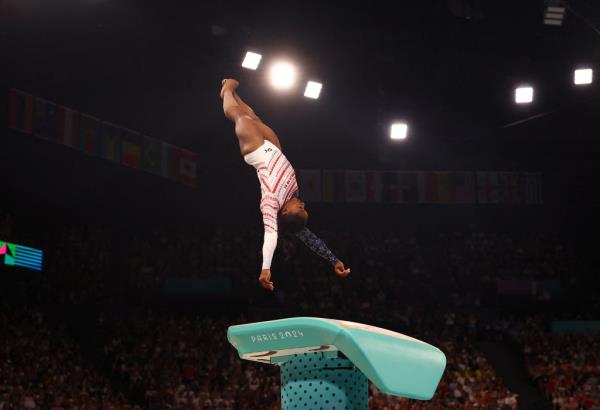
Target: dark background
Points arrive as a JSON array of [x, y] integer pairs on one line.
[[448, 67]]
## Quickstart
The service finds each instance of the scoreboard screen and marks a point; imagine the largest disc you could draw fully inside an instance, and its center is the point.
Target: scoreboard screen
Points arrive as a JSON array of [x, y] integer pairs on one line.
[[12, 254]]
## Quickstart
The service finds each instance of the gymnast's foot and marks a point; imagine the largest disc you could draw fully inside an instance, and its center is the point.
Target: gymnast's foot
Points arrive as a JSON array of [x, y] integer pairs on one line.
[[229, 84]]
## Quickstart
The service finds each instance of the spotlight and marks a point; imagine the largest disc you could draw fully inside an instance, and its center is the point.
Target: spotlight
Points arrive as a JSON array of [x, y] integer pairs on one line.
[[251, 61], [313, 90], [523, 95], [583, 76], [554, 13], [283, 75], [399, 131]]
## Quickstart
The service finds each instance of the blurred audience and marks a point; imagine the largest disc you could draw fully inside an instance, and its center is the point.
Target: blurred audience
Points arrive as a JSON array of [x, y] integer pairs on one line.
[[431, 287], [566, 367], [40, 367]]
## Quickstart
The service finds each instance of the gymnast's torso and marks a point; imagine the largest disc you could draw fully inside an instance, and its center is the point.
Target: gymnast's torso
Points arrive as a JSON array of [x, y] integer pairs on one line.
[[277, 180]]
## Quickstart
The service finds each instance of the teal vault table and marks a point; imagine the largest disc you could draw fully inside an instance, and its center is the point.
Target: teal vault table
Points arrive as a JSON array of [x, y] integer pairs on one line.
[[326, 364]]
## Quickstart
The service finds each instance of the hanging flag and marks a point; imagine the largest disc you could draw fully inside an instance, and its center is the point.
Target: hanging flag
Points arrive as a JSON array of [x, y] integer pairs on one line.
[[39, 116], [185, 166], [408, 187], [464, 192], [334, 186], [82, 131], [110, 142], [309, 181], [20, 111], [509, 188], [89, 130], [44, 122], [328, 190], [67, 127], [488, 188], [390, 191], [131, 149], [356, 189], [339, 186], [531, 183], [166, 160], [151, 155], [373, 186], [51, 129], [445, 188]]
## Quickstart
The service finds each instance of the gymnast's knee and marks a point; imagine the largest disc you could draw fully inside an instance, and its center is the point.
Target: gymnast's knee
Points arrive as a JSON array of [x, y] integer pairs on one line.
[[247, 128]]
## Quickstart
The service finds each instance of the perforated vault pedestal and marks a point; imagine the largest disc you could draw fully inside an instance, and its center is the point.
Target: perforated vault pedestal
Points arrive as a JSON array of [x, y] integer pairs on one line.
[[326, 364], [322, 381]]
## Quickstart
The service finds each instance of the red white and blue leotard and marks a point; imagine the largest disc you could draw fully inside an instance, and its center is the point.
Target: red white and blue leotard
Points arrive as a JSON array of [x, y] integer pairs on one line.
[[277, 186]]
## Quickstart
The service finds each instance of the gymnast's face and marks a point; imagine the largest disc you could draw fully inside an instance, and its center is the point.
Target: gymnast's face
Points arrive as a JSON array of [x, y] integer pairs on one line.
[[295, 207]]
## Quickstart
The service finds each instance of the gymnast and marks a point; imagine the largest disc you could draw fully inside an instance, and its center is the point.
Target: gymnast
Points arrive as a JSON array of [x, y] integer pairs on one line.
[[280, 204]]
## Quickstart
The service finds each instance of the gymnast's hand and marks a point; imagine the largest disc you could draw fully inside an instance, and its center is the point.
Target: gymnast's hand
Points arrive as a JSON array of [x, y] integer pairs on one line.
[[340, 269], [265, 279]]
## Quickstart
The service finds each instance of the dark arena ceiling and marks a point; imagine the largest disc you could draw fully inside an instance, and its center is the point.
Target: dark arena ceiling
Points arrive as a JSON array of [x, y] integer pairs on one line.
[[448, 67]]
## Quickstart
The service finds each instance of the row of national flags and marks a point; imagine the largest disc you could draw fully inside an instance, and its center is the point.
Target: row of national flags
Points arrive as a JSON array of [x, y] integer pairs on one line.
[[86, 133], [421, 187]]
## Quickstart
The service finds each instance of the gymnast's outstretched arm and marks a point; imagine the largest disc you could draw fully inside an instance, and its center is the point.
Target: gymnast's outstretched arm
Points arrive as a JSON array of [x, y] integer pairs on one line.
[[269, 208], [319, 247]]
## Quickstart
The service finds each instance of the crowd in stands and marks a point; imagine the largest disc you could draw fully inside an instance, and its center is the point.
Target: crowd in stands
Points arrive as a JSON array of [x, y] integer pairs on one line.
[[430, 287], [566, 367], [185, 362], [42, 368], [81, 256], [461, 266], [190, 252]]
